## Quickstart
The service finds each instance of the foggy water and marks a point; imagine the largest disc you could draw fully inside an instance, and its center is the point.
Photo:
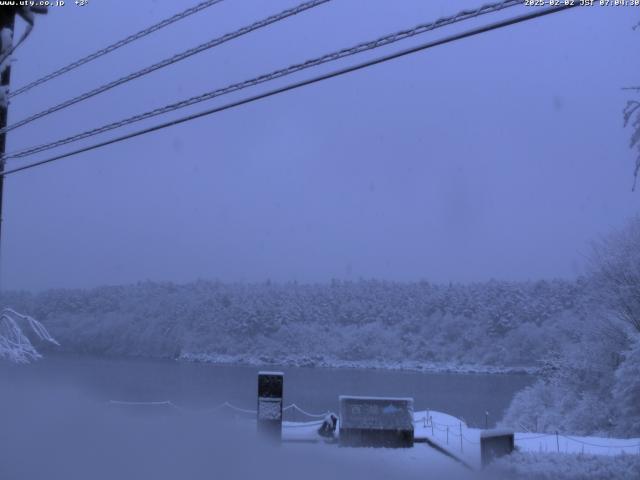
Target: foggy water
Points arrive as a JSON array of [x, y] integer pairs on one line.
[[199, 386], [57, 423]]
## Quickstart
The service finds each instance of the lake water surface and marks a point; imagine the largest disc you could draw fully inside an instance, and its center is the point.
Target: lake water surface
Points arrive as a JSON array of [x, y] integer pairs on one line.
[[197, 386]]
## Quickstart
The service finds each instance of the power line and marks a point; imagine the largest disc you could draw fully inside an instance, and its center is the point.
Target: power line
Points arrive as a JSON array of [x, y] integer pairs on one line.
[[303, 83], [169, 61], [330, 57], [114, 46]]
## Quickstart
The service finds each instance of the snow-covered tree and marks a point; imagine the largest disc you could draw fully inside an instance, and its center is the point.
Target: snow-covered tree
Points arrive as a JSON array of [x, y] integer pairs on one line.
[[574, 393], [632, 118], [615, 267], [626, 392], [15, 345], [631, 114], [592, 383]]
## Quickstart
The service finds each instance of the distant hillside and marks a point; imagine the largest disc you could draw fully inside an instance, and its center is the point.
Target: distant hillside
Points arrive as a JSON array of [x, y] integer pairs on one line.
[[367, 323]]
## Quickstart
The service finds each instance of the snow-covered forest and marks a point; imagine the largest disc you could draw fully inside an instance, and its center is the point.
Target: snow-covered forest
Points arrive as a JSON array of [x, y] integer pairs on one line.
[[377, 323]]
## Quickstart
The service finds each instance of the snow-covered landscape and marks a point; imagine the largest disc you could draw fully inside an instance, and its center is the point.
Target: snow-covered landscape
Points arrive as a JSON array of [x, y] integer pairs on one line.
[[413, 233], [583, 402], [564, 412]]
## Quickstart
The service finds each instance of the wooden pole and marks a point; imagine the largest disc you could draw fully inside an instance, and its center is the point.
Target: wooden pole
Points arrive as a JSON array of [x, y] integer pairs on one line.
[[7, 20]]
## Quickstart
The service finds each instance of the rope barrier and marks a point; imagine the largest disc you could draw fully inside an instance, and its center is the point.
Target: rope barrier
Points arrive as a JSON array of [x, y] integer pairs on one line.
[[166, 403], [446, 425], [429, 421], [304, 412], [169, 403], [238, 409], [535, 438], [600, 446], [160, 403]]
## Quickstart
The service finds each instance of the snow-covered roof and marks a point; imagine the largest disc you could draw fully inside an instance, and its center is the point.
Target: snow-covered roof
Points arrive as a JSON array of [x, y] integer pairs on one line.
[[495, 433], [376, 413], [357, 397]]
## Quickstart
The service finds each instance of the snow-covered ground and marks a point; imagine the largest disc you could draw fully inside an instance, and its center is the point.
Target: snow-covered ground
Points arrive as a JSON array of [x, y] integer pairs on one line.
[[453, 435], [563, 466], [539, 456]]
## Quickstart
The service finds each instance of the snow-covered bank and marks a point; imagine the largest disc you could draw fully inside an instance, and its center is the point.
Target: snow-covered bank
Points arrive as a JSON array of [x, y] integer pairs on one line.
[[558, 466], [321, 362], [538, 456], [537, 453]]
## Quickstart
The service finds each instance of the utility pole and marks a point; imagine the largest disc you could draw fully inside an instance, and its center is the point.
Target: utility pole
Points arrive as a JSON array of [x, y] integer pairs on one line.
[[7, 20]]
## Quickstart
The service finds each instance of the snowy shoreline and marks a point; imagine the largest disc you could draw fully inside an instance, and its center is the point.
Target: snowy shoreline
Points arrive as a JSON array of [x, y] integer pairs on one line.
[[411, 366]]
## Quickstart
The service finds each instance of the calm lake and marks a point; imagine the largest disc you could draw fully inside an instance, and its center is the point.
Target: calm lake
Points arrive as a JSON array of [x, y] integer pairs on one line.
[[197, 386]]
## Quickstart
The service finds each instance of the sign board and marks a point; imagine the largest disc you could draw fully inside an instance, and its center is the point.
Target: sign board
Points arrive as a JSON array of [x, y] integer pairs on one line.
[[376, 421], [270, 393]]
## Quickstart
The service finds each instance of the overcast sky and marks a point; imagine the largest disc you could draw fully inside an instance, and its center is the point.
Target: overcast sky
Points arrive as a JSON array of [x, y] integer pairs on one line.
[[500, 156]]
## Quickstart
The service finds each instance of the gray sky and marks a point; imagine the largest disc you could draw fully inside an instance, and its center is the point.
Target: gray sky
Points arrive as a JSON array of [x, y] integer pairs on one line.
[[499, 156]]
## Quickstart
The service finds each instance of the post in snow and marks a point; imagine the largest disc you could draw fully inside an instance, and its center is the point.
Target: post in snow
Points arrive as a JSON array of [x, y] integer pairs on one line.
[[270, 393]]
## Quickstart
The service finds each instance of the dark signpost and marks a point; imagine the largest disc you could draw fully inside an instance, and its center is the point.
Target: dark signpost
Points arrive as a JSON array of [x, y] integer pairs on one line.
[[376, 422], [494, 444], [270, 389]]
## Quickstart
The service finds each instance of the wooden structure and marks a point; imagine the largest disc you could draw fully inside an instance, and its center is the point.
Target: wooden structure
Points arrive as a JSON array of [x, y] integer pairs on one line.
[[495, 443], [376, 421]]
